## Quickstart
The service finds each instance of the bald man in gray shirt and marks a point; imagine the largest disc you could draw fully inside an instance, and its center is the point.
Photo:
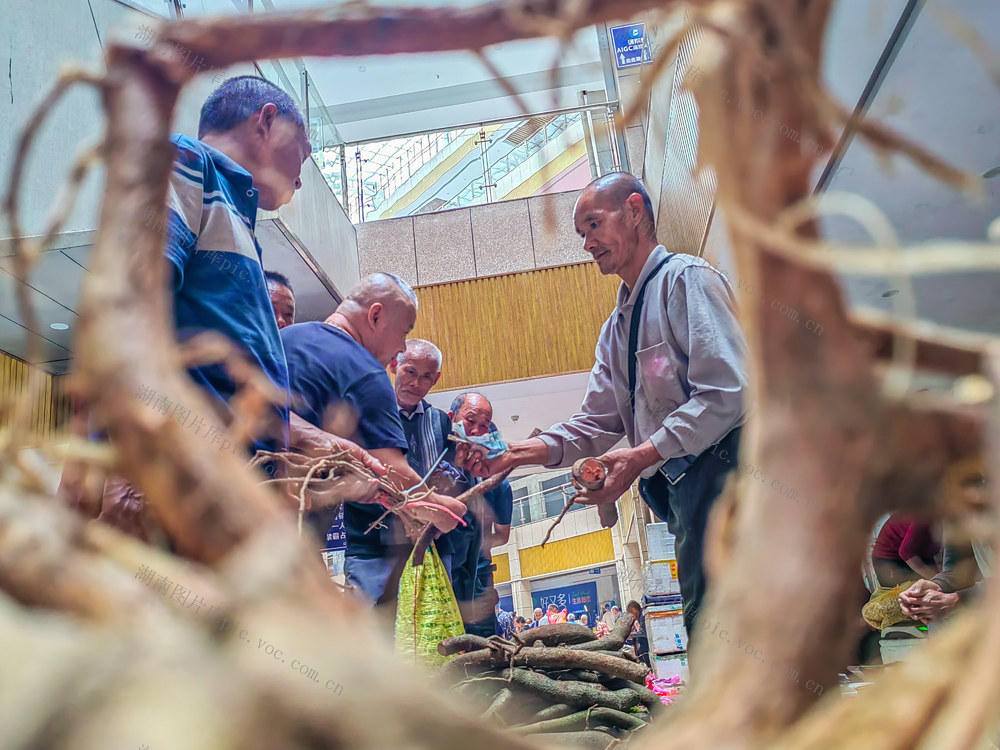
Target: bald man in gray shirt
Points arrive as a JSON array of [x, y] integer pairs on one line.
[[670, 376]]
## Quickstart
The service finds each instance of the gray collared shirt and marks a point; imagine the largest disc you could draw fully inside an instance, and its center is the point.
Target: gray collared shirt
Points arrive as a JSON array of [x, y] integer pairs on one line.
[[418, 409], [691, 382]]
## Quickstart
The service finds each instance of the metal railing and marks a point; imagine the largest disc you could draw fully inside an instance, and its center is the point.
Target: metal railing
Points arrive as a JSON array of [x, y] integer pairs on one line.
[[471, 164], [432, 170], [544, 503]]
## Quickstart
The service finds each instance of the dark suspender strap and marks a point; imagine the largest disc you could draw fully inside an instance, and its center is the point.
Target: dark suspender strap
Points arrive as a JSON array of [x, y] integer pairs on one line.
[[633, 331]]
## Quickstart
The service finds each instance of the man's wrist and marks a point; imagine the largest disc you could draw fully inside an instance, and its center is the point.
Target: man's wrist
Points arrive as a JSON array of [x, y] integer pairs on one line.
[[530, 451], [645, 455]]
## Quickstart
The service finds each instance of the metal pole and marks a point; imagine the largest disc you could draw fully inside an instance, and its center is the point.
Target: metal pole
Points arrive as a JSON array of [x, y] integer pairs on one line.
[[484, 157], [361, 189], [611, 87], [305, 92], [615, 154], [593, 137], [343, 178]]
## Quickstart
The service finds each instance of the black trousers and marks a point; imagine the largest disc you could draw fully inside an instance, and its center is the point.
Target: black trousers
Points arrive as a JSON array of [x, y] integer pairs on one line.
[[685, 507]]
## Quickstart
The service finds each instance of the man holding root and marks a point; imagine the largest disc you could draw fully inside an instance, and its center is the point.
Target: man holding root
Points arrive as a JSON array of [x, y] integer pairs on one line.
[[339, 365], [249, 154], [669, 376]]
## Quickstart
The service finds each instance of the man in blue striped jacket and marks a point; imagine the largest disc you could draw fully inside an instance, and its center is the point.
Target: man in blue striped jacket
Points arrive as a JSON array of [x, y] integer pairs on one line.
[[249, 154]]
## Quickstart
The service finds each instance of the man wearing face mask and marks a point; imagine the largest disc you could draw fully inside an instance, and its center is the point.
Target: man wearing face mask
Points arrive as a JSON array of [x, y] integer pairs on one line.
[[339, 365], [473, 560]]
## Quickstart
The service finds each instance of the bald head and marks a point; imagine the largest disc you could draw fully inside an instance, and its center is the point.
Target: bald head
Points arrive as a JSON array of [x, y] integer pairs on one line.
[[614, 216], [378, 287], [379, 313], [417, 349], [474, 411], [614, 191]]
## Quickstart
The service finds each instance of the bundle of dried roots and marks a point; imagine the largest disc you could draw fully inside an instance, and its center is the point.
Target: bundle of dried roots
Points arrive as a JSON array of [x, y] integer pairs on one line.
[[95, 658], [556, 682]]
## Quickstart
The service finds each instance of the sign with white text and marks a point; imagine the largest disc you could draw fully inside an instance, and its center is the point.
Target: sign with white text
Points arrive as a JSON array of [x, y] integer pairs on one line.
[[578, 598], [629, 45]]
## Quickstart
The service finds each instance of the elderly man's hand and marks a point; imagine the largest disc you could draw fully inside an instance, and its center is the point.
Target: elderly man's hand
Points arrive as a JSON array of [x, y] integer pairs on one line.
[[521, 453], [924, 601], [444, 521], [624, 466], [475, 462], [124, 507], [314, 442]]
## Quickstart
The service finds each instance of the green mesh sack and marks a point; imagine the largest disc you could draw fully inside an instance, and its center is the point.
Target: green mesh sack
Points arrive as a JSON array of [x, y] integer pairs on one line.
[[427, 612]]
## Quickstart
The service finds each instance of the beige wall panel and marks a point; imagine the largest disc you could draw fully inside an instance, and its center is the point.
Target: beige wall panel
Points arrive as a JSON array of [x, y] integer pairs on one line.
[[556, 241], [501, 235], [444, 246], [387, 246]]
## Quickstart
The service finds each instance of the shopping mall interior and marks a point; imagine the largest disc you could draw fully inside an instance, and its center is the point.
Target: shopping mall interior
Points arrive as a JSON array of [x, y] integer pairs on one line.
[[458, 172]]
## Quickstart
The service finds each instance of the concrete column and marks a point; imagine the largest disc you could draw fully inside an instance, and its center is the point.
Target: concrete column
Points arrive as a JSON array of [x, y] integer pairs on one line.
[[630, 573], [521, 591]]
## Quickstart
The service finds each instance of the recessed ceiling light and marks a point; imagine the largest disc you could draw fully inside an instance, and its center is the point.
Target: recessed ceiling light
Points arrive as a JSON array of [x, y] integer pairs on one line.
[[890, 293], [59, 326]]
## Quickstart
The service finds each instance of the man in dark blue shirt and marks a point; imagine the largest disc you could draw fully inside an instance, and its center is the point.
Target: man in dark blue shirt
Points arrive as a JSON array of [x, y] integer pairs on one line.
[[340, 364]]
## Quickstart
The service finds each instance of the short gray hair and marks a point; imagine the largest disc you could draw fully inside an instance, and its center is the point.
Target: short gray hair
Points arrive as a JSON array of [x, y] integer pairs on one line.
[[420, 348]]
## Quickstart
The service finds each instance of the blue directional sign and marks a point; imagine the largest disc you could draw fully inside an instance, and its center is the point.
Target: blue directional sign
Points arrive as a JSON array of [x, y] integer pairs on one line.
[[629, 45]]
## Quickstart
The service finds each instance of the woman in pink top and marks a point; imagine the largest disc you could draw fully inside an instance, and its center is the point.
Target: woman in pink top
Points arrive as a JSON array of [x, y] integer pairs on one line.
[[905, 550]]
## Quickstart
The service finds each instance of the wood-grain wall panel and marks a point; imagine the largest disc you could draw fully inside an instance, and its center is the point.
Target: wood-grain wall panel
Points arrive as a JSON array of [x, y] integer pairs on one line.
[[50, 412], [520, 325]]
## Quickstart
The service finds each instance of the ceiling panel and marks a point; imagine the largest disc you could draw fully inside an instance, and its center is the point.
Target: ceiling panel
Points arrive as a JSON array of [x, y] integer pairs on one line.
[[47, 311], [938, 94], [55, 275], [57, 367], [959, 300], [79, 254], [856, 37], [15, 340], [357, 90]]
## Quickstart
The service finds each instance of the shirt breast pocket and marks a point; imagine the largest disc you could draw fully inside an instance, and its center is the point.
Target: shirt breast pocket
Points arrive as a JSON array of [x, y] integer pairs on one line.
[[660, 373]]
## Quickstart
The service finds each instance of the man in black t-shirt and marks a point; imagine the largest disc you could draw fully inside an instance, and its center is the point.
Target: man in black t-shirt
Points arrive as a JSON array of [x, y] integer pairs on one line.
[[341, 363]]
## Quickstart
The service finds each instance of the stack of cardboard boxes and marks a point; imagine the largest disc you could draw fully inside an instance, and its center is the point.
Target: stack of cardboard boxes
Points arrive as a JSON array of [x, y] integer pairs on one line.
[[662, 606]]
